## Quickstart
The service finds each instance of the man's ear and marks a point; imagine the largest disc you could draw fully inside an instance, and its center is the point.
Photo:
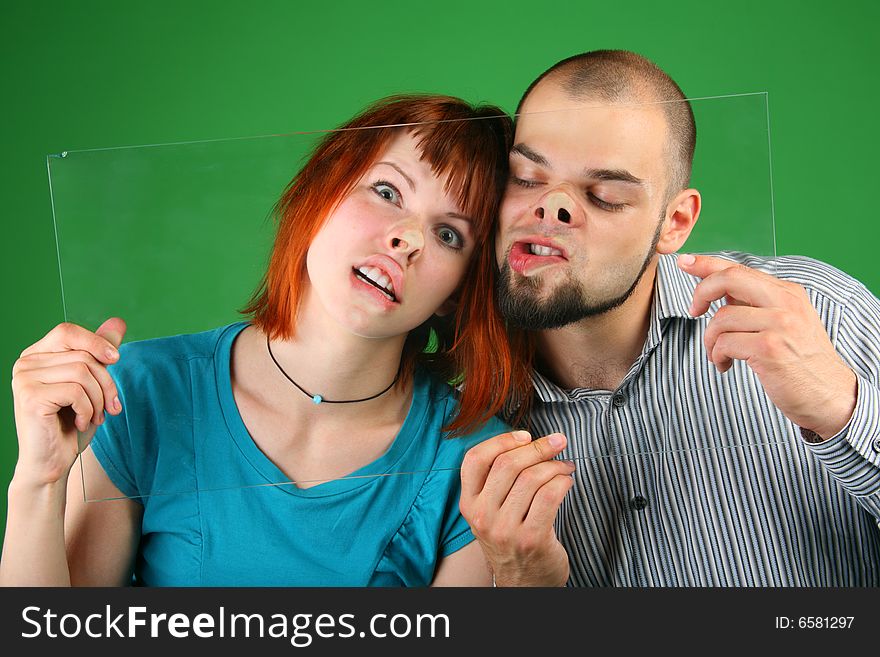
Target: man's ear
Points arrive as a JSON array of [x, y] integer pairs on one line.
[[681, 216]]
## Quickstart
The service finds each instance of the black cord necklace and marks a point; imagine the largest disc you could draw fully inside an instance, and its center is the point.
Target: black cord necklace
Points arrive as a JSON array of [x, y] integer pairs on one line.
[[319, 399]]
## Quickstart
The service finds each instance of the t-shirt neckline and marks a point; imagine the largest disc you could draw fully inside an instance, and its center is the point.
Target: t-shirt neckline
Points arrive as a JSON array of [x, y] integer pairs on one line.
[[271, 473]]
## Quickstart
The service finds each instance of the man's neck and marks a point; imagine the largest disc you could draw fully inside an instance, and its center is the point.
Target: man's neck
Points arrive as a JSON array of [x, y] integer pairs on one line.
[[597, 352]]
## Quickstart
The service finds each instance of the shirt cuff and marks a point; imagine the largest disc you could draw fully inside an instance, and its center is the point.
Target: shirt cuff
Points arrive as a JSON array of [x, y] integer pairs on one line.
[[853, 455]]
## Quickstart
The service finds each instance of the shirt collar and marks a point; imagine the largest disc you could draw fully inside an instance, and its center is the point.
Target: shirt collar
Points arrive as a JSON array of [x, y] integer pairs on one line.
[[673, 294], [674, 291]]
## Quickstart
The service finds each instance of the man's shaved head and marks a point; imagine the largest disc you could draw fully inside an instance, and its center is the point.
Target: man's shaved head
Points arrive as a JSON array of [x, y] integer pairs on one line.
[[620, 76]]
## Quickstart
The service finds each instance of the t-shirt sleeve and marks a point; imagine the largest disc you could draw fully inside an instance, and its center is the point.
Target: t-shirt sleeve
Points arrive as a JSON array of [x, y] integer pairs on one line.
[[112, 444], [120, 444], [434, 527], [111, 447], [455, 531]]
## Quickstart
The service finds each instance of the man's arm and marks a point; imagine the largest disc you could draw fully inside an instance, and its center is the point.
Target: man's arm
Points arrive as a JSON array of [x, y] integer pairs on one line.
[[831, 391], [771, 324]]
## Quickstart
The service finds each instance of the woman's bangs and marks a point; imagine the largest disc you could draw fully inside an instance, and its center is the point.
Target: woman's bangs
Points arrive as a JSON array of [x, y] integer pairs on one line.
[[464, 154]]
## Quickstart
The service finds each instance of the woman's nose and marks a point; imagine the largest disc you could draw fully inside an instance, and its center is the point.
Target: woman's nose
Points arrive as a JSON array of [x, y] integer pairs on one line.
[[408, 240]]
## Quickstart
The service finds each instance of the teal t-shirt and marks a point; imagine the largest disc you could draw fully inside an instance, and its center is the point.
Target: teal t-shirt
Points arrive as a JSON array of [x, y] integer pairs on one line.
[[181, 449]]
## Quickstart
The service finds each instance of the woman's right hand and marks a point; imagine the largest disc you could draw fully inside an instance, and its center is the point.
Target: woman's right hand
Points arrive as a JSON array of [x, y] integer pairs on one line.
[[60, 387]]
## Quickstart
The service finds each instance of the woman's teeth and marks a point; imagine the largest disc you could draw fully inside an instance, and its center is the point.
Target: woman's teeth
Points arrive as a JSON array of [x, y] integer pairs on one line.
[[378, 279]]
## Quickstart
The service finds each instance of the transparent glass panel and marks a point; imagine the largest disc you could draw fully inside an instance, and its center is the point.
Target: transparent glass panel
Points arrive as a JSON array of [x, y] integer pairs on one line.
[[175, 238], [732, 169]]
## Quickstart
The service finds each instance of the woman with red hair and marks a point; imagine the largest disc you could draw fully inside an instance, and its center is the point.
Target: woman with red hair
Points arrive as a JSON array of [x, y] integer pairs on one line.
[[378, 293]]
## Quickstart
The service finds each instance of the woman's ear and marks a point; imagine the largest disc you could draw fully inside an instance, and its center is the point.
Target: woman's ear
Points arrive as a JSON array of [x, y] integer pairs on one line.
[[448, 307]]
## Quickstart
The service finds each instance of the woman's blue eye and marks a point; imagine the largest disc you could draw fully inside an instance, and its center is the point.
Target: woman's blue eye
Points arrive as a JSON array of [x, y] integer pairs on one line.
[[387, 191], [450, 237]]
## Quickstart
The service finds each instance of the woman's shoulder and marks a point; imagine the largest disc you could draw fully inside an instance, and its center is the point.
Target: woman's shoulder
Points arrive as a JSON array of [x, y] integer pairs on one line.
[[185, 346], [167, 356], [159, 381]]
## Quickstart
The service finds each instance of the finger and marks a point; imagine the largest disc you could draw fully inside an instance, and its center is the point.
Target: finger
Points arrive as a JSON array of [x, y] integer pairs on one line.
[[58, 396], [542, 513], [98, 371], [730, 301], [739, 319], [80, 374], [113, 330], [738, 346], [479, 459], [70, 337], [508, 466], [703, 265], [710, 266], [739, 283], [522, 493]]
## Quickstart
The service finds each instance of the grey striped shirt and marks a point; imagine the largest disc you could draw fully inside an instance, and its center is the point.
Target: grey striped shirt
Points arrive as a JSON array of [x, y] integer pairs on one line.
[[688, 477]]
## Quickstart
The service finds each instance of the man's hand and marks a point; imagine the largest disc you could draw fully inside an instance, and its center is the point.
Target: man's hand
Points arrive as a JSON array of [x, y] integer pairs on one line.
[[511, 488], [771, 325]]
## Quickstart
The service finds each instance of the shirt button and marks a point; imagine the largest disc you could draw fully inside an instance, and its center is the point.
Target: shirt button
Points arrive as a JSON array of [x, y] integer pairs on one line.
[[638, 503], [619, 399], [876, 444]]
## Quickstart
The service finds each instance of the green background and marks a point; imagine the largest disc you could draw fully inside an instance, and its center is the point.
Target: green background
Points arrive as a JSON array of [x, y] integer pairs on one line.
[[78, 75]]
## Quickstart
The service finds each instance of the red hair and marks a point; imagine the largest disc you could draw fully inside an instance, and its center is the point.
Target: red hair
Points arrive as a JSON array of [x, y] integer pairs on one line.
[[466, 145]]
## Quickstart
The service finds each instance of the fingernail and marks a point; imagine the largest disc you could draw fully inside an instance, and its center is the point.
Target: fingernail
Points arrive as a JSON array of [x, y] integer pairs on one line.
[[521, 436], [686, 259], [556, 440], [568, 462], [116, 404], [112, 354]]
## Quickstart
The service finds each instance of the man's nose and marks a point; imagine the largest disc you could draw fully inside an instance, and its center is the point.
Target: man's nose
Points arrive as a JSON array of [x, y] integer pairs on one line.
[[407, 239], [557, 206]]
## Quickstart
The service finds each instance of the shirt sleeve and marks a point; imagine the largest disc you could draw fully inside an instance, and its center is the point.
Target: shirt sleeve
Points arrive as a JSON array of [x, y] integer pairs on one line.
[[852, 457]]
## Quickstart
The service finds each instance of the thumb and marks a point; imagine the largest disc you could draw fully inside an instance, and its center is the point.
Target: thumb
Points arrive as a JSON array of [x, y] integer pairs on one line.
[[113, 330]]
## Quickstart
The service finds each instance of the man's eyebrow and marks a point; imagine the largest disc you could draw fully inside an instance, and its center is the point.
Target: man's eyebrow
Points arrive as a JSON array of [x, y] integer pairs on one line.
[[613, 175], [409, 180], [529, 154]]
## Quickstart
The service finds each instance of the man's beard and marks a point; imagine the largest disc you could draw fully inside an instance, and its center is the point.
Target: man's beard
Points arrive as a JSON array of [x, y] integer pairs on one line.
[[523, 309]]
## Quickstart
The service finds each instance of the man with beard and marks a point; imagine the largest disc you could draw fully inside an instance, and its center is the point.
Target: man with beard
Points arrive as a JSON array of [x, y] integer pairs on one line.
[[615, 327]]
